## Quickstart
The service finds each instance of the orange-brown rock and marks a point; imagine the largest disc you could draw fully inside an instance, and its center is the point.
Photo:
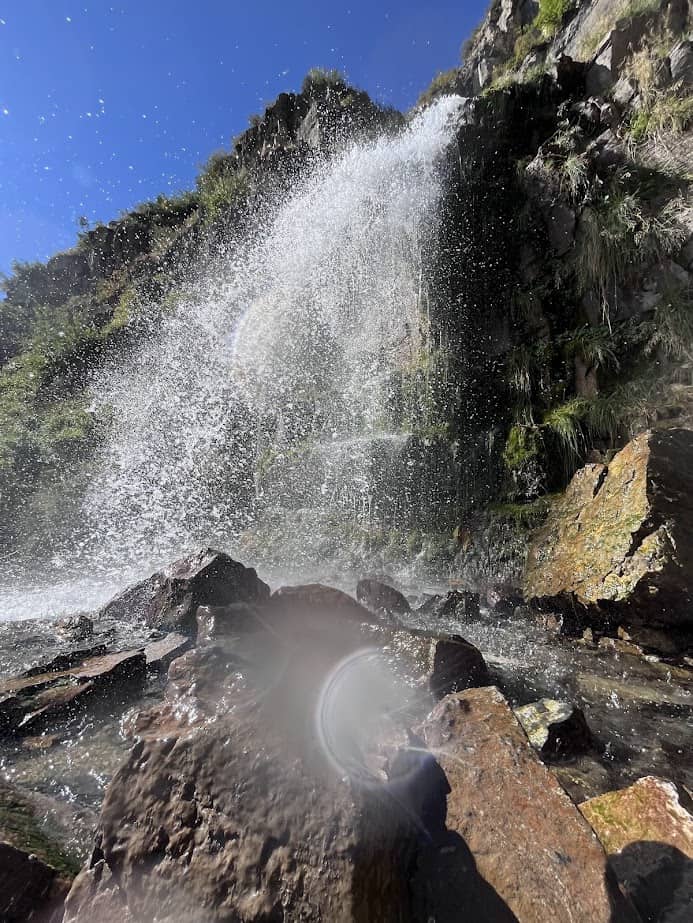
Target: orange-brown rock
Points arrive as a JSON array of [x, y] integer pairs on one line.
[[530, 843], [649, 838], [622, 536]]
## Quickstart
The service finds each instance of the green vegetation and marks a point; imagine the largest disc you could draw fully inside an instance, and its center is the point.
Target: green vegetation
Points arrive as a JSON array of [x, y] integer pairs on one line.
[[19, 825], [445, 82], [525, 516], [521, 446], [672, 326], [221, 184], [550, 16], [621, 232], [319, 81]]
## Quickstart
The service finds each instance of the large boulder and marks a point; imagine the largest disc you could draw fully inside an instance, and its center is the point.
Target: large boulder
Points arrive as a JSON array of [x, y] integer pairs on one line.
[[169, 600], [529, 841], [242, 799], [380, 597], [648, 836], [621, 537]]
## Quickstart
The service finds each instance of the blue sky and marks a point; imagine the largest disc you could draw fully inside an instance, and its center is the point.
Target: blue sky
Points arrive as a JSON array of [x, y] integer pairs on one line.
[[107, 104]]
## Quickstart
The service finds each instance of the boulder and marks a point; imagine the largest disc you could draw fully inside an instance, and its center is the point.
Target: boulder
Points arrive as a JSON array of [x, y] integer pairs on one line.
[[318, 598], [379, 597], [620, 539], [529, 842], [37, 855], [648, 836], [555, 728], [457, 665], [230, 807], [169, 600], [160, 654], [458, 603]]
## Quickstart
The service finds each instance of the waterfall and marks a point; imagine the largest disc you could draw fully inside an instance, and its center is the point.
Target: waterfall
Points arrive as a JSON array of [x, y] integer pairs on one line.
[[288, 351]]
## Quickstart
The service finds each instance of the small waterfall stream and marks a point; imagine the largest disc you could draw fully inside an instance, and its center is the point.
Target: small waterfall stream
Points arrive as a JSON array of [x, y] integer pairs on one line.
[[284, 360]]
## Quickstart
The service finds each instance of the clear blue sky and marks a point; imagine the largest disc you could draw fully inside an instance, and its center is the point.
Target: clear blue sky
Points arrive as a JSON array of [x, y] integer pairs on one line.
[[105, 104]]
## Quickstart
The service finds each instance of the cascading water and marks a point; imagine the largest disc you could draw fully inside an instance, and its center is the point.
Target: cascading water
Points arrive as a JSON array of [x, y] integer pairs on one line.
[[289, 351]]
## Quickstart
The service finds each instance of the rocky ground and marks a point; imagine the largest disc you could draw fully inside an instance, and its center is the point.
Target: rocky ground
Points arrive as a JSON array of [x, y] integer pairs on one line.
[[205, 748]]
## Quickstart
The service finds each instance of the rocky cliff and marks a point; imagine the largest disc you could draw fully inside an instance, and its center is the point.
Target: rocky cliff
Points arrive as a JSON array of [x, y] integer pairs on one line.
[[559, 283]]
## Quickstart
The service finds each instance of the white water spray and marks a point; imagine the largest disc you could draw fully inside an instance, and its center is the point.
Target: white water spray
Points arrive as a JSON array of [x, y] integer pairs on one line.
[[295, 339]]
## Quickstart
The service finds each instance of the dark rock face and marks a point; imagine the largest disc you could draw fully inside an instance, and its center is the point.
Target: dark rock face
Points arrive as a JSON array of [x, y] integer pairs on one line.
[[547, 867], [318, 598], [379, 597], [459, 603], [457, 665], [555, 728], [622, 537], [29, 703], [29, 889], [170, 600]]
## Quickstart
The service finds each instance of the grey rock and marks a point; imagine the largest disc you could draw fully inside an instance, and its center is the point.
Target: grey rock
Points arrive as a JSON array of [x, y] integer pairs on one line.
[[555, 728]]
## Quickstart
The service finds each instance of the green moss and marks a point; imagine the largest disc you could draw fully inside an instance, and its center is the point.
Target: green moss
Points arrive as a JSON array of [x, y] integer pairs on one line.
[[19, 825], [522, 515], [521, 446]]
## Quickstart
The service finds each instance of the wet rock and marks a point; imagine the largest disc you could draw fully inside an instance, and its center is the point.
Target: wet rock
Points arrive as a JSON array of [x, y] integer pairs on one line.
[[160, 654], [555, 728], [214, 622], [530, 843], [29, 889], [28, 703], [379, 597], [461, 604], [648, 836], [621, 538], [170, 600], [230, 806], [35, 864], [318, 598], [457, 665], [75, 628]]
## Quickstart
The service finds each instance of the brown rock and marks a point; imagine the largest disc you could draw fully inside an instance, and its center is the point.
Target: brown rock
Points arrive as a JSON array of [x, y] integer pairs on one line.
[[622, 537], [27, 887], [379, 597], [230, 808], [160, 654], [648, 836], [28, 702], [529, 841], [170, 600], [318, 598]]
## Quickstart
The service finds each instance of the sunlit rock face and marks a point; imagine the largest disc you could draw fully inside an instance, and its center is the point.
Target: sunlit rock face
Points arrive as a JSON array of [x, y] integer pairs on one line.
[[621, 535]]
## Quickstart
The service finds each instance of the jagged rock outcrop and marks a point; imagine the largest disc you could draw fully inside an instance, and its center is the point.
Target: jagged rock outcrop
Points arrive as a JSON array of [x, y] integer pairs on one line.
[[621, 535], [170, 600]]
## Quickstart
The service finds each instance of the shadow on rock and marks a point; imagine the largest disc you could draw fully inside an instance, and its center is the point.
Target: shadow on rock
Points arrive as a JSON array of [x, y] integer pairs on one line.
[[658, 878], [446, 885]]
